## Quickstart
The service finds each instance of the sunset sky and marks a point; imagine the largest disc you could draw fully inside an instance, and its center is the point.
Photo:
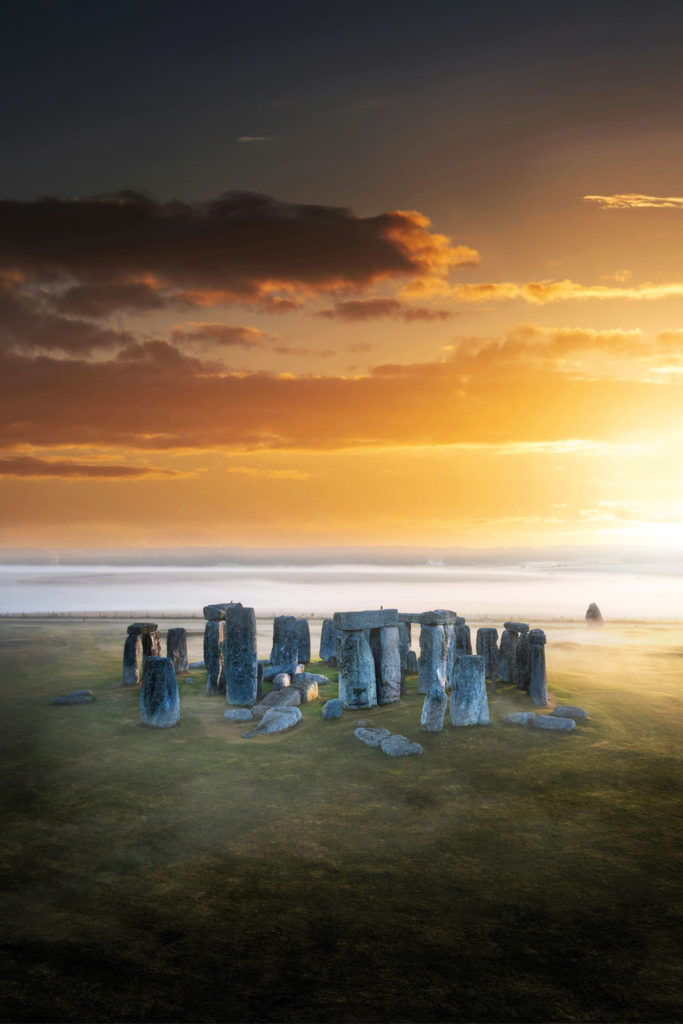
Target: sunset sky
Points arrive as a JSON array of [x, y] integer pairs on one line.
[[329, 274]]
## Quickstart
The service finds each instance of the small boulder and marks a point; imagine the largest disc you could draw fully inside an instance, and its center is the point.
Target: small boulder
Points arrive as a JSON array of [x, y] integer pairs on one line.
[[68, 699], [276, 720], [372, 737], [548, 722], [238, 715], [308, 689], [79, 693], [287, 698], [312, 677], [333, 708], [519, 718], [189, 679], [281, 680], [570, 711], [400, 746]]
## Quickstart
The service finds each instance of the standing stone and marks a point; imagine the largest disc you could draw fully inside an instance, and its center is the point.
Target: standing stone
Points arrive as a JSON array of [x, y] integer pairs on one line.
[[328, 642], [487, 647], [159, 697], [150, 643], [176, 648], [132, 656], [384, 644], [241, 661], [303, 633], [450, 652], [463, 639], [594, 615], [285, 650], [434, 709], [513, 629], [356, 665], [523, 666], [538, 689], [432, 663], [404, 650], [214, 649], [504, 657], [411, 664], [469, 703]]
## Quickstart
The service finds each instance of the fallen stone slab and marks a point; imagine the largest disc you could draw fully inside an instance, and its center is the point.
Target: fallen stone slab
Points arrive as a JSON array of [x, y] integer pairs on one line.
[[308, 688], [281, 680], [79, 693], [370, 736], [519, 718], [548, 722], [287, 698], [311, 677], [570, 711], [197, 664], [275, 720], [333, 708], [238, 715], [366, 619], [400, 746], [66, 699]]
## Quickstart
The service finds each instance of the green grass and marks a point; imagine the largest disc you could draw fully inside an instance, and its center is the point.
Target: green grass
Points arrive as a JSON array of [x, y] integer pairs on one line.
[[190, 875]]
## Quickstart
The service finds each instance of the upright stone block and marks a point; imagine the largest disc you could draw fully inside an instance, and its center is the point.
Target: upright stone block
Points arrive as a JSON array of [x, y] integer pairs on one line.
[[450, 652], [434, 709], [487, 647], [463, 640], [285, 650], [469, 703], [241, 662], [176, 648], [384, 643], [433, 660], [132, 656], [356, 665], [328, 641], [159, 697], [150, 641], [412, 668], [214, 639], [303, 633], [506, 656], [523, 668], [513, 629], [404, 639], [538, 689]]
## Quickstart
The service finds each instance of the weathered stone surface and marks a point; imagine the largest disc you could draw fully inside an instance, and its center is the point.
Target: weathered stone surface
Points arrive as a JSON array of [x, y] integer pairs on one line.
[[308, 688], [73, 699], [469, 703], [538, 690], [372, 737], [312, 677], [437, 617], [238, 715], [159, 697], [176, 648], [517, 627], [276, 720], [151, 647], [357, 684], [487, 647], [404, 639], [241, 662], [519, 718], [287, 698], [594, 615], [333, 708], [132, 656], [197, 664], [411, 664], [216, 612], [285, 649], [507, 656], [548, 722], [303, 633], [79, 693], [214, 650], [384, 644], [523, 666], [328, 640], [400, 746], [280, 680], [434, 709], [142, 628], [570, 711], [450, 654], [433, 661], [366, 619], [259, 681]]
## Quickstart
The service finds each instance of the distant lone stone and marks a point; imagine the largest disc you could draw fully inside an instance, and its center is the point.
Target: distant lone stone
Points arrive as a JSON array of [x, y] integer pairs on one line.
[[371, 737], [159, 697], [519, 718], [280, 680], [241, 662], [328, 641], [214, 650], [357, 683], [469, 703], [287, 698], [73, 699], [549, 722], [400, 746], [276, 720], [432, 663], [333, 708], [570, 711], [176, 648], [487, 647], [384, 644], [238, 715], [538, 689], [303, 633], [594, 615], [434, 709], [285, 650]]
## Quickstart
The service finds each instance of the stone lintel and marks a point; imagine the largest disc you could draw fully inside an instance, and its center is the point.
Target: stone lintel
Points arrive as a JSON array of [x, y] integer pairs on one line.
[[516, 627], [409, 616], [352, 621], [142, 628], [438, 617], [216, 612]]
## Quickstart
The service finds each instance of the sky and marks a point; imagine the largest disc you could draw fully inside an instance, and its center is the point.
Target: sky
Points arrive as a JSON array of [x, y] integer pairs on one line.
[[354, 274]]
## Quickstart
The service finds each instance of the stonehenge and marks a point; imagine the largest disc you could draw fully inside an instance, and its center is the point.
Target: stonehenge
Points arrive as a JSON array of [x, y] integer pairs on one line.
[[356, 661]]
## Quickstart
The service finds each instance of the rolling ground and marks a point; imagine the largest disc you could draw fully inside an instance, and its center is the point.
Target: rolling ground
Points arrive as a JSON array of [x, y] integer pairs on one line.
[[191, 875]]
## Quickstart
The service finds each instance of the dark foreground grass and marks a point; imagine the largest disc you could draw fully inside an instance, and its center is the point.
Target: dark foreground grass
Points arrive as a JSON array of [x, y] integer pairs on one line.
[[191, 875]]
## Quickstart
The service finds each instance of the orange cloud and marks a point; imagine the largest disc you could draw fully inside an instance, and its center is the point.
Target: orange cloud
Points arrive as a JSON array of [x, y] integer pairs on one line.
[[374, 309], [634, 200], [40, 468], [541, 292]]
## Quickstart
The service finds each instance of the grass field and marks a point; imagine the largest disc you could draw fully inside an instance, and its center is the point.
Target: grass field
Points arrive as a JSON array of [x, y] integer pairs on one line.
[[191, 875]]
